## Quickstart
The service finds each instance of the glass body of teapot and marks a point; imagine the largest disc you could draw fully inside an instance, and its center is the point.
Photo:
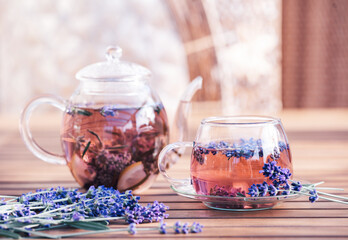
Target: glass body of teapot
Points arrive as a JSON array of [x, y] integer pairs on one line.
[[113, 128]]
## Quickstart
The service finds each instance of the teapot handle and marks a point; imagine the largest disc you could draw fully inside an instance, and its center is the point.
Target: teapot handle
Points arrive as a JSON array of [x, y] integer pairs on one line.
[[26, 133], [164, 161]]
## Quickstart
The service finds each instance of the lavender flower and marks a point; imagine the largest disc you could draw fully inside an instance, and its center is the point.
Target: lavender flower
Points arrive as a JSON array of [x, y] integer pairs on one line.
[[226, 191], [108, 111], [177, 227], [150, 213], [253, 191], [162, 227], [132, 229], [222, 145], [198, 155], [272, 190], [77, 216], [296, 186], [263, 189], [281, 179], [185, 228], [314, 196], [196, 228]]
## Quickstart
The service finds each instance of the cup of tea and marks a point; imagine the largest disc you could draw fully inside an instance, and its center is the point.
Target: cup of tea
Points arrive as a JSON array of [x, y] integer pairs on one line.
[[229, 152]]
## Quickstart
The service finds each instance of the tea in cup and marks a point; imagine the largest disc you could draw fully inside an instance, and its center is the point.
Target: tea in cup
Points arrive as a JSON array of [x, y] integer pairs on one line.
[[229, 153]]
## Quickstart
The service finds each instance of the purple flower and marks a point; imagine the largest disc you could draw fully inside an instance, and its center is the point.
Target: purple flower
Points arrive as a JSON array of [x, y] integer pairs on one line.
[[286, 187], [108, 111], [253, 191], [150, 213], [2, 202], [272, 190], [162, 228], [222, 145], [296, 186], [177, 227], [198, 155], [185, 228], [132, 229], [314, 196], [263, 189], [196, 228], [212, 145], [4, 216], [268, 169]]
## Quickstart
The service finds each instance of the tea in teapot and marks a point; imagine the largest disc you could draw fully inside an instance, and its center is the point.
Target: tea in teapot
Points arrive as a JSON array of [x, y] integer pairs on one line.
[[113, 128]]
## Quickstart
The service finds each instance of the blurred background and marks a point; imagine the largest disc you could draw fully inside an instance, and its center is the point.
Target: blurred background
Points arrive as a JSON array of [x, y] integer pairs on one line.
[[256, 57]]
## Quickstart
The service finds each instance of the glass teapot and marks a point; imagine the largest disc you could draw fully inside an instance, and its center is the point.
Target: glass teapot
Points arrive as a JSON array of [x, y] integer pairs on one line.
[[114, 126]]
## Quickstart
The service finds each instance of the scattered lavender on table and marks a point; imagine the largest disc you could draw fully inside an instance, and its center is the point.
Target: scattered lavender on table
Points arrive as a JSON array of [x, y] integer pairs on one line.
[[54, 207]]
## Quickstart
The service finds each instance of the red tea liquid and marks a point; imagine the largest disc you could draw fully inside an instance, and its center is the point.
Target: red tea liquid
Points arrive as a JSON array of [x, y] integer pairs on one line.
[[115, 147], [216, 172]]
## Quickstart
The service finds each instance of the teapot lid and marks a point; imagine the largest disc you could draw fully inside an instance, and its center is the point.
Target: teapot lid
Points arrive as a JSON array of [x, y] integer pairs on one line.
[[113, 69]]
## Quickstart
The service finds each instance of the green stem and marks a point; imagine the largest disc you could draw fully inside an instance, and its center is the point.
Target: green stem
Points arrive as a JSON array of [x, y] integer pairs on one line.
[[6, 196], [96, 219], [91, 232], [328, 188], [41, 234], [329, 199], [332, 195]]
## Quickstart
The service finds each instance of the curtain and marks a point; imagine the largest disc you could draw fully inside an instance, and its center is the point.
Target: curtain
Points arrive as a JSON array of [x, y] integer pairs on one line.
[[315, 53]]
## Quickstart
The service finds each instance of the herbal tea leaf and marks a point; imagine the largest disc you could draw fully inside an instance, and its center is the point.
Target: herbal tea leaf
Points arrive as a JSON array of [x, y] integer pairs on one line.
[[7, 233], [88, 225], [86, 148], [117, 147], [240, 195], [83, 112], [96, 135]]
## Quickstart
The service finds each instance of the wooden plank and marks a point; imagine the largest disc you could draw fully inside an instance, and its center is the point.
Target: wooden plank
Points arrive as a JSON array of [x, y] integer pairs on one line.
[[237, 232]]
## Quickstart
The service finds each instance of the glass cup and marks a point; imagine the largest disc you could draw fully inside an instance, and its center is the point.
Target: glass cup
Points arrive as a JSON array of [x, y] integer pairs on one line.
[[228, 154]]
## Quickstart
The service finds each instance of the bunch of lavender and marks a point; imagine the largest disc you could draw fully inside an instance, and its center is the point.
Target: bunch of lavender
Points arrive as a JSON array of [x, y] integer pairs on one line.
[[281, 184], [56, 207]]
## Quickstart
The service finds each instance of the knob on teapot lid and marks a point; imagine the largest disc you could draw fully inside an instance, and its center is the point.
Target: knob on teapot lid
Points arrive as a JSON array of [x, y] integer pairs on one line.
[[113, 53], [113, 69]]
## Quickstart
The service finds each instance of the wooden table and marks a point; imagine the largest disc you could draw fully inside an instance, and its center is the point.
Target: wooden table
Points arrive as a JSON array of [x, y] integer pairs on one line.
[[319, 144]]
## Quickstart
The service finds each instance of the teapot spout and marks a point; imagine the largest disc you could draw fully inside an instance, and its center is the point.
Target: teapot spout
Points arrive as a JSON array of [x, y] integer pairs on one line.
[[191, 89], [183, 111]]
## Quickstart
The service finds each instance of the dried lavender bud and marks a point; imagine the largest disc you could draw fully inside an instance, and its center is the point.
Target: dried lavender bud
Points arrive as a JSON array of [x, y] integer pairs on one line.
[[198, 155], [196, 228], [162, 227], [314, 196], [108, 111], [177, 227], [132, 229]]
